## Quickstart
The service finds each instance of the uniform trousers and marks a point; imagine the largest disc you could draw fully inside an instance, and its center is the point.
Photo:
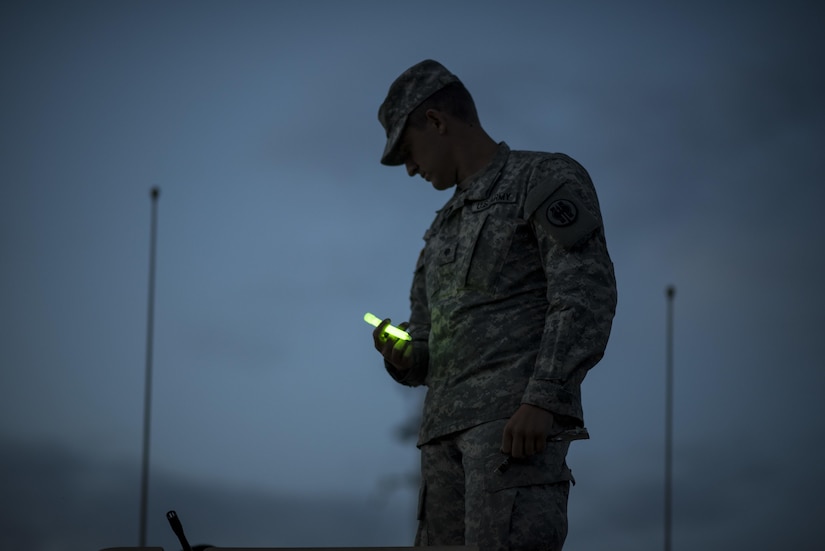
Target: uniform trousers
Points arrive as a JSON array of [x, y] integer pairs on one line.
[[463, 501]]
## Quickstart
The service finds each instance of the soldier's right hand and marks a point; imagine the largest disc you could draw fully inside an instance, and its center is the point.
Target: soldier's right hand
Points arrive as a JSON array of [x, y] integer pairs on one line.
[[396, 351]]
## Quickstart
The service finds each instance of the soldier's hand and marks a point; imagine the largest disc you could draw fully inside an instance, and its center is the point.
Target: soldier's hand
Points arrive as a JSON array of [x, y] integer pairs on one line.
[[526, 432], [396, 351]]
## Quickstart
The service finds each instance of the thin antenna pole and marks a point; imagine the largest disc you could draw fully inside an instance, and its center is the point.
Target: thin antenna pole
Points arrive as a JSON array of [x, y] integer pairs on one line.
[[147, 404], [670, 292]]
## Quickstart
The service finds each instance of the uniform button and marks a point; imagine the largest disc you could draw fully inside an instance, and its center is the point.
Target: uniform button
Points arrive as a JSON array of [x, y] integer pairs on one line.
[[446, 251]]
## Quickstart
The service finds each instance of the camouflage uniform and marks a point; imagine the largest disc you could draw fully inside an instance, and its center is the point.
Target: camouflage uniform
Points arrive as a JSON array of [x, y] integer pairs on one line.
[[512, 303], [463, 501]]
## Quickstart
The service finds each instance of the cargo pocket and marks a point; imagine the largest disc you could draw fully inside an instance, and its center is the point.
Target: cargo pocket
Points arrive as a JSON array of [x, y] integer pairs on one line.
[[524, 472], [529, 505]]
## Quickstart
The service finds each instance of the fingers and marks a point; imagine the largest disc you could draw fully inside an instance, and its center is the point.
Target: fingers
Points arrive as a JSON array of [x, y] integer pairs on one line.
[[379, 337], [513, 441], [540, 444], [396, 351], [529, 446], [520, 445], [400, 352], [526, 432], [507, 441]]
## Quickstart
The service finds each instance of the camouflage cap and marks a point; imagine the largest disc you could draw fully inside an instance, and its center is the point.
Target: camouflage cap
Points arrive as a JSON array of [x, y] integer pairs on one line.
[[414, 85]]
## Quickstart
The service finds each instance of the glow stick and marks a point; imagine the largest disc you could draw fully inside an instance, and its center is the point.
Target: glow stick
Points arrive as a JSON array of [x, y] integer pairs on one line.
[[389, 329]]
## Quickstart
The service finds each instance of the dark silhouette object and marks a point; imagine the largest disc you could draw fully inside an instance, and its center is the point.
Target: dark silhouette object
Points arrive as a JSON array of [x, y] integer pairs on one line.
[[177, 528]]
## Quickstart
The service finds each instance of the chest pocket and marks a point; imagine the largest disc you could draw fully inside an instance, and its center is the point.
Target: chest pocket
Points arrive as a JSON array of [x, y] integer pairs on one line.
[[441, 264], [490, 250]]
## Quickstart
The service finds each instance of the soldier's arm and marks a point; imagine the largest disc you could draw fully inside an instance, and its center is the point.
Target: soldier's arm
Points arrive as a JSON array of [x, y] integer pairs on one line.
[[419, 330], [563, 210]]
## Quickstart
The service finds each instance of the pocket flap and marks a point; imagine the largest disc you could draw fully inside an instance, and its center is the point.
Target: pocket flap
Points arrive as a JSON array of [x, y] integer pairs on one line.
[[524, 472]]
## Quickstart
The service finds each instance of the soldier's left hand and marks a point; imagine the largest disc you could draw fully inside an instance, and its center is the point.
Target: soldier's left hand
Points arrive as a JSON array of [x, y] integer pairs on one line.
[[526, 432], [396, 351]]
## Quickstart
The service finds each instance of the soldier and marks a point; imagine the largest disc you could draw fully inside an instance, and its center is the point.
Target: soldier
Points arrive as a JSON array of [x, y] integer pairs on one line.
[[512, 302]]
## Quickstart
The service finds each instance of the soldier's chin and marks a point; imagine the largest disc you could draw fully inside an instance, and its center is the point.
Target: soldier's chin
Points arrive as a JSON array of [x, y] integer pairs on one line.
[[441, 186]]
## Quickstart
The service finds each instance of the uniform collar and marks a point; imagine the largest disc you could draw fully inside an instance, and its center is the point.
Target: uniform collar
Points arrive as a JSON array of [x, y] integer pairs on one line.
[[481, 182]]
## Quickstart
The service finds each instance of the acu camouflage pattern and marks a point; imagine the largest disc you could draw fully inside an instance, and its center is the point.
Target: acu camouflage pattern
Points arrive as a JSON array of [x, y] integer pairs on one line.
[[506, 309], [462, 501]]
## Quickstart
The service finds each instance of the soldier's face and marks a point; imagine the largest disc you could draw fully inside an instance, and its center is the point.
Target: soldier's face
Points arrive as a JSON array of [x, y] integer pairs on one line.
[[425, 153]]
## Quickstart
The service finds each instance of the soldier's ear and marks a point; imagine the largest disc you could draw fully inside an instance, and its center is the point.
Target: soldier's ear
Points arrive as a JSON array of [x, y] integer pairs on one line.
[[437, 119]]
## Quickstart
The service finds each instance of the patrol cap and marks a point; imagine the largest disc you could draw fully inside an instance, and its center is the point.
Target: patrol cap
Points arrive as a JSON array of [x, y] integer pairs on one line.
[[409, 90]]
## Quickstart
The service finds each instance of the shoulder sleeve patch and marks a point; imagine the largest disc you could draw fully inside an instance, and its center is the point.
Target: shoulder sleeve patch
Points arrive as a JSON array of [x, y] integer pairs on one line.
[[562, 214]]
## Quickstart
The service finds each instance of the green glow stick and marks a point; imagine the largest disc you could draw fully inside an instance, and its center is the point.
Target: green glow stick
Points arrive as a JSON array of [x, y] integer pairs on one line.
[[390, 329]]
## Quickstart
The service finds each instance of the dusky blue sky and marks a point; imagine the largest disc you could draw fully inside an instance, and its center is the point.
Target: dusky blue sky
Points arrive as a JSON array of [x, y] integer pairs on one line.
[[701, 123]]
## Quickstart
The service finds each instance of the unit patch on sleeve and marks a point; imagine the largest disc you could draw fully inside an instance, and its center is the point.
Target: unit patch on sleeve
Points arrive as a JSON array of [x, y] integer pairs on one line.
[[562, 214]]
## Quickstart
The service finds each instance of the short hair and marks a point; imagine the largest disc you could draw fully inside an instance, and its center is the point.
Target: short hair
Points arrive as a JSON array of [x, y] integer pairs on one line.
[[454, 99]]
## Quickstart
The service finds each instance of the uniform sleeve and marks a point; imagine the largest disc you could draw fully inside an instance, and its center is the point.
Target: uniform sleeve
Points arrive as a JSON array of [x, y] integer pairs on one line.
[[419, 330], [563, 210]]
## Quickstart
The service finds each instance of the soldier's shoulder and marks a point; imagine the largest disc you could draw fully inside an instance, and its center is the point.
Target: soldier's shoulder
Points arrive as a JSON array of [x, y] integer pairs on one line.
[[526, 156], [545, 160]]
